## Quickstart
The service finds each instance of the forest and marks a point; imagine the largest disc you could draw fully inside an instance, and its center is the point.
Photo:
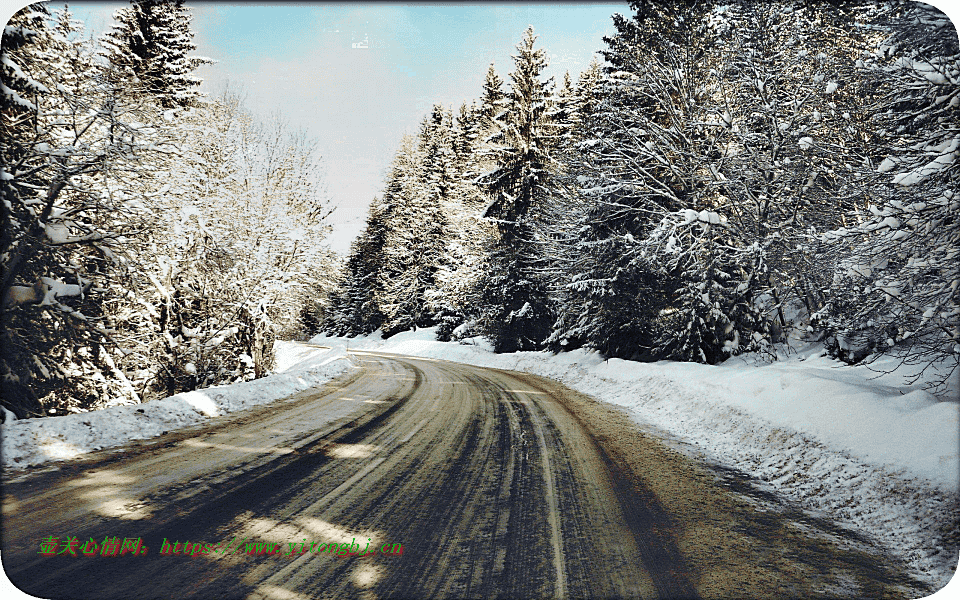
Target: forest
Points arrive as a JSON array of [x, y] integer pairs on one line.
[[153, 240], [729, 175]]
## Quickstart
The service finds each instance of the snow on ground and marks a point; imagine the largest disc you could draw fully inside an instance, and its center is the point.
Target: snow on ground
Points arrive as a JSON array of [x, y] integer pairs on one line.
[[34, 441], [861, 447]]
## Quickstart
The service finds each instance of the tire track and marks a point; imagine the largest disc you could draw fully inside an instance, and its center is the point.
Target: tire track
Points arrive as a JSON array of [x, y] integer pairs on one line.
[[498, 485]]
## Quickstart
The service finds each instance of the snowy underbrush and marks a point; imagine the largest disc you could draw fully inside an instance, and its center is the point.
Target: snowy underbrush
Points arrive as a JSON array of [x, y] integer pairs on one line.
[[849, 442], [35, 441]]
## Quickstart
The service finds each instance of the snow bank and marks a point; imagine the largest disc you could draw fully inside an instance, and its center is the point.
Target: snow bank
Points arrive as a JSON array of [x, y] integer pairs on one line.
[[887, 426], [34, 441], [862, 448]]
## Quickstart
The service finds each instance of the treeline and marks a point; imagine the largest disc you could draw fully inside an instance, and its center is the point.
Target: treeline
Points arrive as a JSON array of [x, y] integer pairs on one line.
[[152, 240], [731, 170]]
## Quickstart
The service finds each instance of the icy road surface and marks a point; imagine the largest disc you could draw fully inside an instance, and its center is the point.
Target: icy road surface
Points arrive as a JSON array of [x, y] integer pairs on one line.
[[495, 483]]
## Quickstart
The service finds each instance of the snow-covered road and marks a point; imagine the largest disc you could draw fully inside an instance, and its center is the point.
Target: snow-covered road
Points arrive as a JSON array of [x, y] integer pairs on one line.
[[851, 444], [495, 483], [871, 453]]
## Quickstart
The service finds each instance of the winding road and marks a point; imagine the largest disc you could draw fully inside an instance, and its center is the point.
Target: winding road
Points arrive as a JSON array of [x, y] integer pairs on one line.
[[493, 483]]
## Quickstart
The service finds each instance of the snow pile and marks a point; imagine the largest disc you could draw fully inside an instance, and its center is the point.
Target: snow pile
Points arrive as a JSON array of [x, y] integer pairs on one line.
[[890, 426], [33, 441], [867, 450]]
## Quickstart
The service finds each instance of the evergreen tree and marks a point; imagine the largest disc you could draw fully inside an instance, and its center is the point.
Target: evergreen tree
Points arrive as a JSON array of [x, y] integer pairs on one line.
[[454, 299], [465, 138], [587, 98], [416, 251], [517, 313], [641, 155], [414, 264], [492, 97], [355, 308], [150, 43], [364, 301]]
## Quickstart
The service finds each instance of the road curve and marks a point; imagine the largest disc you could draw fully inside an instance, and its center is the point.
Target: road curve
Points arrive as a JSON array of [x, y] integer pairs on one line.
[[495, 484]]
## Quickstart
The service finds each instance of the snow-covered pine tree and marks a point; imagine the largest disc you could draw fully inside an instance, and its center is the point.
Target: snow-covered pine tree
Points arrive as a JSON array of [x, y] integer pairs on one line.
[[577, 253], [516, 309], [416, 249], [706, 318], [450, 166], [465, 136], [364, 301], [354, 308], [492, 97], [587, 98], [642, 159], [561, 219], [454, 298], [556, 216], [150, 44], [569, 216]]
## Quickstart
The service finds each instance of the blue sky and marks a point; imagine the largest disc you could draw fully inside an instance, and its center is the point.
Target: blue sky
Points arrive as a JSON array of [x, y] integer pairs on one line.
[[357, 77]]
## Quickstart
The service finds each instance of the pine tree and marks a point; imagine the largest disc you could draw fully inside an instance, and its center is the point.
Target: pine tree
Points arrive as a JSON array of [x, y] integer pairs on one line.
[[353, 309], [465, 136], [517, 312], [366, 299], [589, 92], [416, 250], [640, 156], [454, 300], [354, 305], [492, 97], [150, 45]]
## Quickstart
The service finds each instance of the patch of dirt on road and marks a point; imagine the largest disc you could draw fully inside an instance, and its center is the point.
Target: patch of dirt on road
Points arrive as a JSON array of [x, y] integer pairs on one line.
[[736, 539]]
